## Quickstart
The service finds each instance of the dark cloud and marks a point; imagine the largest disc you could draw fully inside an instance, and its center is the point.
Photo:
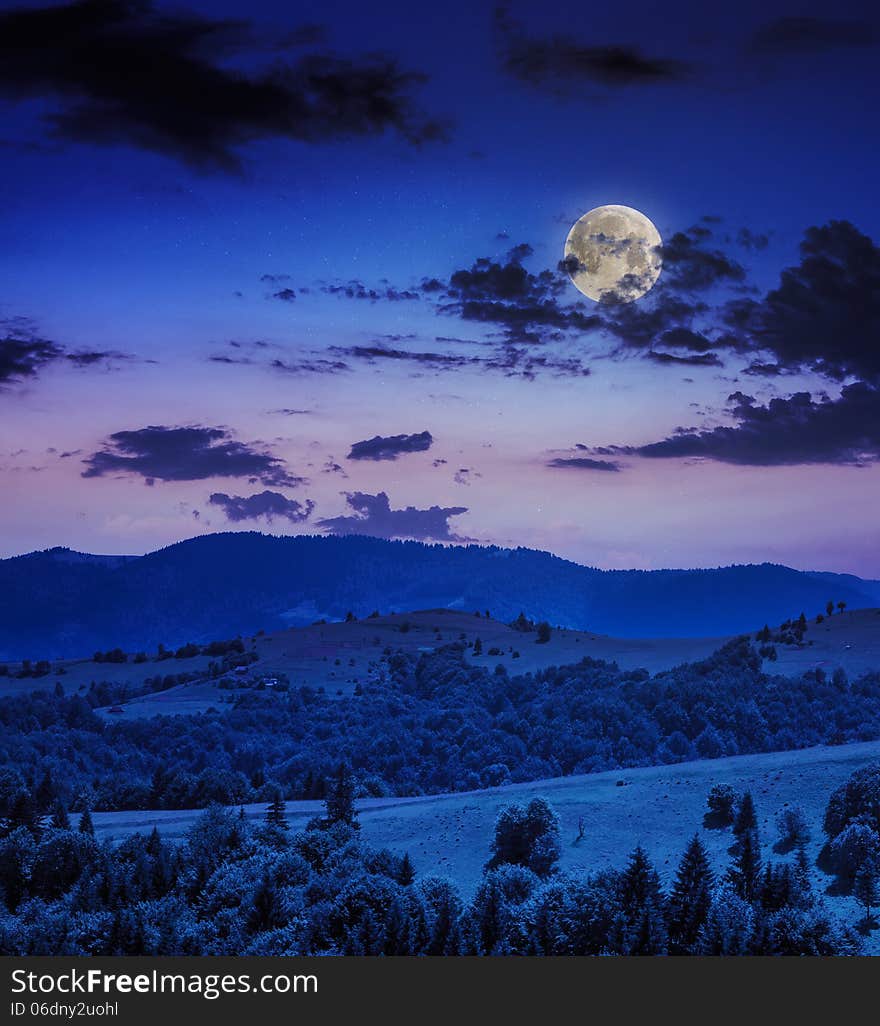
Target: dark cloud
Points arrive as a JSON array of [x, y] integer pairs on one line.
[[373, 354], [697, 360], [691, 265], [763, 370], [564, 63], [796, 430], [23, 354], [265, 505], [811, 35], [372, 515], [22, 358], [824, 315], [286, 295], [676, 314], [90, 357], [524, 305], [332, 467], [508, 360], [308, 366], [359, 290], [584, 463], [122, 71], [186, 454], [379, 448], [294, 366], [664, 317]]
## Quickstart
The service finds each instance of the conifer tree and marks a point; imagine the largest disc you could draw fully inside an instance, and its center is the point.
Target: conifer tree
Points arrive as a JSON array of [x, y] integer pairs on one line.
[[643, 906], [691, 898], [264, 912], [60, 820], [867, 887], [745, 873], [407, 871], [339, 803], [802, 877], [23, 812], [276, 813], [489, 915], [398, 931], [421, 935], [746, 817], [45, 793], [85, 823]]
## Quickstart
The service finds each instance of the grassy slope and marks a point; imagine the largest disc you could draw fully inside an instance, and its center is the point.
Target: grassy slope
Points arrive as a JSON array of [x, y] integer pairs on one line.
[[307, 655], [660, 807]]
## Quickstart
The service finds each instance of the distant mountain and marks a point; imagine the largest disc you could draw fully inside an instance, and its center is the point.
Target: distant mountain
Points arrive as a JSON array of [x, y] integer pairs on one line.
[[57, 603]]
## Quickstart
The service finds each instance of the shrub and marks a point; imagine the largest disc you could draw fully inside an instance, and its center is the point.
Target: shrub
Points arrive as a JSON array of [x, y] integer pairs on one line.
[[852, 847], [526, 837], [793, 828], [722, 802]]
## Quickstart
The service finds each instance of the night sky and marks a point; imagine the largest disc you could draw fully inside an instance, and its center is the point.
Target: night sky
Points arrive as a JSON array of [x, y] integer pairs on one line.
[[266, 272]]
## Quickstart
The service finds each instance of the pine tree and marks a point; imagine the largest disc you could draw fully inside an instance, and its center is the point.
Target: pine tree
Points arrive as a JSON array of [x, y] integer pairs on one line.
[[398, 931], [264, 913], [643, 906], [60, 820], [23, 812], [746, 817], [691, 898], [867, 887], [407, 871], [489, 915], [339, 803], [421, 935], [745, 873], [779, 888], [85, 823], [276, 814], [367, 937], [45, 793], [802, 877]]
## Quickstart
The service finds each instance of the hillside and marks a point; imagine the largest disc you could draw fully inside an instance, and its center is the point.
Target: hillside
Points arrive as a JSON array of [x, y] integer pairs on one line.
[[59, 604], [336, 657], [659, 807]]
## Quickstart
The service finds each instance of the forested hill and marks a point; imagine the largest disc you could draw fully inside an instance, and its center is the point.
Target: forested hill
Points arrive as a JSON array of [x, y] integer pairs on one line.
[[60, 604]]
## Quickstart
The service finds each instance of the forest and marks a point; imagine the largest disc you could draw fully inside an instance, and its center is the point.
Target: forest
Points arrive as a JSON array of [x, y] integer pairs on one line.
[[234, 889], [429, 723], [183, 593]]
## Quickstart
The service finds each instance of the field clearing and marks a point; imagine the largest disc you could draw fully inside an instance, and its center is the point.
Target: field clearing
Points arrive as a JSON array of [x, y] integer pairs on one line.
[[659, 807]]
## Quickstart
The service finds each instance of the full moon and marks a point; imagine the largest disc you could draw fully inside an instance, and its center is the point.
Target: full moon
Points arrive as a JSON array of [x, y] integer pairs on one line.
[[612, 254]]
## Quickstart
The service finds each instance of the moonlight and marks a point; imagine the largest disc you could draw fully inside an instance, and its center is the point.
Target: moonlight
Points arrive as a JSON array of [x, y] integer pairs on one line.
[[612, 254]]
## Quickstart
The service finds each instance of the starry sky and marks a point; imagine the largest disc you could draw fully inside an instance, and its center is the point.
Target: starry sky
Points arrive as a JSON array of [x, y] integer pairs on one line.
[[297, 269]]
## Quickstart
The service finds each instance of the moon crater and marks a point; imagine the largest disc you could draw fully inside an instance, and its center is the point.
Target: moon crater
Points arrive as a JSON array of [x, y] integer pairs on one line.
[[612, 254]]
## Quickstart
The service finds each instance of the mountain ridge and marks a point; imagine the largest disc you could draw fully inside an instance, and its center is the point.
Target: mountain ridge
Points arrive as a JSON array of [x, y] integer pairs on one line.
[[58, 603]]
